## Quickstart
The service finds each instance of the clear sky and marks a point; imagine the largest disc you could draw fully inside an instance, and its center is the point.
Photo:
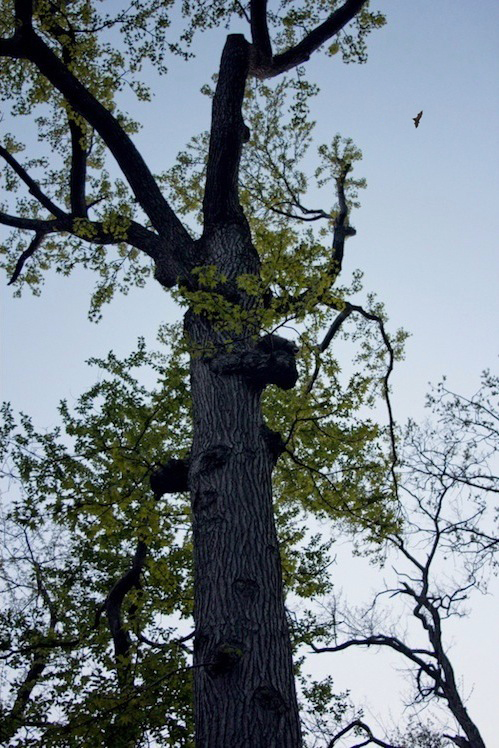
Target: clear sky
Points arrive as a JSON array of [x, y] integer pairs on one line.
[[427, 236]]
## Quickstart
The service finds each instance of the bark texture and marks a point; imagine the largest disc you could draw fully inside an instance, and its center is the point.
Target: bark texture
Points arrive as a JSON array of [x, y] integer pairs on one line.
[[244, 686], [245, 696]]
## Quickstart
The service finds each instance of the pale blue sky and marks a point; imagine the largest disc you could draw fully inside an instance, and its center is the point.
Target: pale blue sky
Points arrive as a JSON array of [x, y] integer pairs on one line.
[[427, 231]]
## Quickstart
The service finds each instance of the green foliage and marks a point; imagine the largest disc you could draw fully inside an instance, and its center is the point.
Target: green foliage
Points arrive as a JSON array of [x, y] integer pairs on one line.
[[80, 502], [80, 498], [292, 241], [294, 19], [108, 50], [323, 710]]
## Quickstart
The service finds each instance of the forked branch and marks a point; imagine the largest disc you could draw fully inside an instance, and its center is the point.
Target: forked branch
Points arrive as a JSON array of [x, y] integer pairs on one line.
[[370, 738], [302, 51]]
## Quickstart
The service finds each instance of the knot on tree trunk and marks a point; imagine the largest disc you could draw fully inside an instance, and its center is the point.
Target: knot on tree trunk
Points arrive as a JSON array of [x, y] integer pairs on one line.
[[170, 478], [270, 699], [272, 361], [275, 443], [211, 458], [225, 659]]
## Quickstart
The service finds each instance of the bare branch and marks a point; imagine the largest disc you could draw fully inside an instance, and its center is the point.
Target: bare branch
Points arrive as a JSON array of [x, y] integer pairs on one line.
[[335, 327], [34, 245], [386, 387], [380, 640], [358, 724], [33, 187]]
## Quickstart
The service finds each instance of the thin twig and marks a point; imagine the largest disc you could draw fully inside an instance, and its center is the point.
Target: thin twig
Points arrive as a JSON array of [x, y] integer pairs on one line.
[[34, 245]]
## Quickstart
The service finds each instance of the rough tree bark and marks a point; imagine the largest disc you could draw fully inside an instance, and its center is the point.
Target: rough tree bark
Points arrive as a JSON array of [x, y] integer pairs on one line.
[[241, 627]]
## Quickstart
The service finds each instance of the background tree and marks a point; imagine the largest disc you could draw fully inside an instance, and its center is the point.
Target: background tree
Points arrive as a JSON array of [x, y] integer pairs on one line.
[[446, 550], [240, 282]]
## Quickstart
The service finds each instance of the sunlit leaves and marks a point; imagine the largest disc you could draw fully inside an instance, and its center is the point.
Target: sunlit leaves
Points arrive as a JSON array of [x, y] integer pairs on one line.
[[80, 494], [335, 464], [80, 500], [294, 20], [334, 159]]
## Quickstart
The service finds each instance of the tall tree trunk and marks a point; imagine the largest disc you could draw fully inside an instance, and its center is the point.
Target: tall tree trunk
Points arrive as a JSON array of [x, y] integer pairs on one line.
[[244, 685], [245, 694]]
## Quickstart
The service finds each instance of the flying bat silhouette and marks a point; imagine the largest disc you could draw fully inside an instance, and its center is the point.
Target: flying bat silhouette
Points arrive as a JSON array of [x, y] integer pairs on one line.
[[417, 118]]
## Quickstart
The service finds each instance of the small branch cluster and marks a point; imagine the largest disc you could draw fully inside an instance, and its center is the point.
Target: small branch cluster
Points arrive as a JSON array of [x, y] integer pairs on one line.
[[445, 522]]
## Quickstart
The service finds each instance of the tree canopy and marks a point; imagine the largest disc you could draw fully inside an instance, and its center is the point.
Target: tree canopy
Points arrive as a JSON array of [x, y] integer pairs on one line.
[[113, 515]]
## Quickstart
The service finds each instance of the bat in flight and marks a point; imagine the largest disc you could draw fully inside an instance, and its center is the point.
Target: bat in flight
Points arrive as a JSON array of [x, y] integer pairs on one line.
[[417, 118]]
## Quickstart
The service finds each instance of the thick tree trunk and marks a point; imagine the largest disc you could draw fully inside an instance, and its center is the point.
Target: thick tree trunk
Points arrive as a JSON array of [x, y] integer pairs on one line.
[[244, 685], [454, 700]]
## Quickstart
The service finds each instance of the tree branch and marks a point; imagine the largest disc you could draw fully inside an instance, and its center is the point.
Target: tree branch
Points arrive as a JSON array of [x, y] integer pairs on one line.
[[12, 721], [302, 51], [386, 386], [228, 133], [33, 187], [34, 245], [361, 726], [176, 256], [335, 327], [114, 602], [392, 642], [78, 172], [11, 47], [337, 323], [23, 13], [136, 235], [262, 47], [78, 169], [341, 227], [30, 224]]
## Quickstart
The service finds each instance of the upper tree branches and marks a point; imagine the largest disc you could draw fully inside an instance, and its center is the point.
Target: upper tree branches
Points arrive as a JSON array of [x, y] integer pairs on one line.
[[173, 257], [174, 253], [265, 65]]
